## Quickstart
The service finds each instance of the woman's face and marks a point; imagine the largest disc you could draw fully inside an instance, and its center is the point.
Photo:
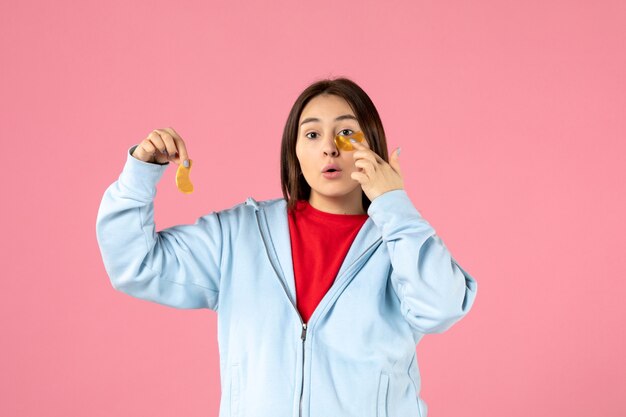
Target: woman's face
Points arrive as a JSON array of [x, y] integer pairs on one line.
[[322, 118]]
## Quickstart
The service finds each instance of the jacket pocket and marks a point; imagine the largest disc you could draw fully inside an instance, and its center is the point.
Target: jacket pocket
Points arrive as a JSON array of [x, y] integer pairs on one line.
[[234, 389], [383, 384]]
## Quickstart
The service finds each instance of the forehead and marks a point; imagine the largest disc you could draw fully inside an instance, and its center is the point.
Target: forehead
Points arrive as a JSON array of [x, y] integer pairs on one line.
[[326, 107]]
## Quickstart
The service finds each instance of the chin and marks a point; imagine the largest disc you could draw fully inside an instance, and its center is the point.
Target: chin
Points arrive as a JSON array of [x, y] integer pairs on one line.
[[334, 191]]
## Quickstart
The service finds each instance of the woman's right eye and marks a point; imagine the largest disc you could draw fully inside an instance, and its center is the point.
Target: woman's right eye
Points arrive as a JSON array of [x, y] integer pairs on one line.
[[307, 135]]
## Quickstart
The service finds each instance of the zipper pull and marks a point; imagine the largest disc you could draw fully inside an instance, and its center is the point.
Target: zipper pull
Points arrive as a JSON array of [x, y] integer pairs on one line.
[[303, 336]]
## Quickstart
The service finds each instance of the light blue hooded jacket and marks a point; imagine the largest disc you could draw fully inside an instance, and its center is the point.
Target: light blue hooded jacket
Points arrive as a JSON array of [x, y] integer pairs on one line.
[[356, 357]]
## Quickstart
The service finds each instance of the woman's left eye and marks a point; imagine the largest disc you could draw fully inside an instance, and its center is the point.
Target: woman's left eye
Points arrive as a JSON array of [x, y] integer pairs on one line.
[[346, 134]]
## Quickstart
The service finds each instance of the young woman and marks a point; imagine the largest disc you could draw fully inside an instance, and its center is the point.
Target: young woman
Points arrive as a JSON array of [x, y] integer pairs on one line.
[[321, 295]]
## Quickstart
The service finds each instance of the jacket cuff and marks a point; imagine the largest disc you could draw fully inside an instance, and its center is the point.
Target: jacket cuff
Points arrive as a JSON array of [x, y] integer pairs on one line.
[[393, 212], [140, 177]]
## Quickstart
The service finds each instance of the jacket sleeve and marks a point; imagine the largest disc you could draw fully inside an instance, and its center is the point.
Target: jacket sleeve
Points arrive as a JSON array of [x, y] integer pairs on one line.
[[434, 291], [178, 266]]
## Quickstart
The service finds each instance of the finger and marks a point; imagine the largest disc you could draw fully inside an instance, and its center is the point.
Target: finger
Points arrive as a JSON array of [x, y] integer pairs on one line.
[[359, 176], [394, 161], [180, 145], [361, 145], [160, 153], [366, 154], [182, 149], [364, 147], [156, 140], [366, 165], [168, 140], [172, 132], [146, 151]]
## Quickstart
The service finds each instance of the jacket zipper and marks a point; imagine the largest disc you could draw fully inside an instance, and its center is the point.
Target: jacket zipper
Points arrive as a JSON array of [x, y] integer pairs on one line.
[[304, 325], [303, 337], [303, 334]]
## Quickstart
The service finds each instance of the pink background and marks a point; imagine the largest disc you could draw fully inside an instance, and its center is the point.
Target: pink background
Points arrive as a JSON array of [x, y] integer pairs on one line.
[[511, 120]]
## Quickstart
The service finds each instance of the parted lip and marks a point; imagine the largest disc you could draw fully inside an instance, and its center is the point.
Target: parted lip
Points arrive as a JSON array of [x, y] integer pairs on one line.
[[331, 166]]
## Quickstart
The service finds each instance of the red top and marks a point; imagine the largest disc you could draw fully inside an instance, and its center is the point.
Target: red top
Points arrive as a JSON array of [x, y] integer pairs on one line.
[[319, 244]]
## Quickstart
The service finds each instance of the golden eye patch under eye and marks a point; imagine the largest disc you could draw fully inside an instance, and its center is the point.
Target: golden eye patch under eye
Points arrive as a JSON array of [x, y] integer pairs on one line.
[[182, 178], [343, 142]]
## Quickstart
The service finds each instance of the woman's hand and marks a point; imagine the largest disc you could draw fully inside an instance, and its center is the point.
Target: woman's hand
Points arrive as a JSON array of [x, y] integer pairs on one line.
[[376, 176], [161, 146]]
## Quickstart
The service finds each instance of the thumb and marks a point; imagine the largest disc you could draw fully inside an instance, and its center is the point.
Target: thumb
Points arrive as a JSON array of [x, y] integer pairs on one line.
[[394, 161]]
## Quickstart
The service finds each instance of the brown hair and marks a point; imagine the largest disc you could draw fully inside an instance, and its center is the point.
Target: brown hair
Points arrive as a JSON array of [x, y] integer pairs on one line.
[[294, 185]]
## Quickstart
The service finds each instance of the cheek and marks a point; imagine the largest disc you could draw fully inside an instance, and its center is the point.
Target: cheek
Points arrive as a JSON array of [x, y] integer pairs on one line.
[[302, 160], [299, 152], [304, 154], [350, 162]]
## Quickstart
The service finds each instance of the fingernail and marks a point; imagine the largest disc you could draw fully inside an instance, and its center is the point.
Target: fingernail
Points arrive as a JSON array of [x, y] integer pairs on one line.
[[399, 149], [186, 163]]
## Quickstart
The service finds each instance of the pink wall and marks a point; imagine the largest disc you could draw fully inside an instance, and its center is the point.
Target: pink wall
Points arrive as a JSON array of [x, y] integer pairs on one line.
[[511, 120]]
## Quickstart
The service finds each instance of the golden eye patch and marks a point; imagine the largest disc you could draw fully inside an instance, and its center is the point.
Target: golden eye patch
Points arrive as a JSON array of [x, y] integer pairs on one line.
[[343, 142], [182, 178]]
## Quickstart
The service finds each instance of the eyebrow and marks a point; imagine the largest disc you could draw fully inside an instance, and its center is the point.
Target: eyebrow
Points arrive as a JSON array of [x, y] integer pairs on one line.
[[342, 117]]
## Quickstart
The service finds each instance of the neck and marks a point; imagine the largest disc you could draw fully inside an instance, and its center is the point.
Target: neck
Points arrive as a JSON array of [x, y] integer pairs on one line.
[[346, 204]]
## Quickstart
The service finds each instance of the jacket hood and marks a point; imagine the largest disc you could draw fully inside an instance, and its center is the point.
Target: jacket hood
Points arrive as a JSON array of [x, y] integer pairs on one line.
[[278, 246]]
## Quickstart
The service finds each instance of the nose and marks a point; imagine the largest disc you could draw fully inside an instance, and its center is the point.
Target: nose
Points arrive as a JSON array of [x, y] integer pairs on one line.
[[330, 147]]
